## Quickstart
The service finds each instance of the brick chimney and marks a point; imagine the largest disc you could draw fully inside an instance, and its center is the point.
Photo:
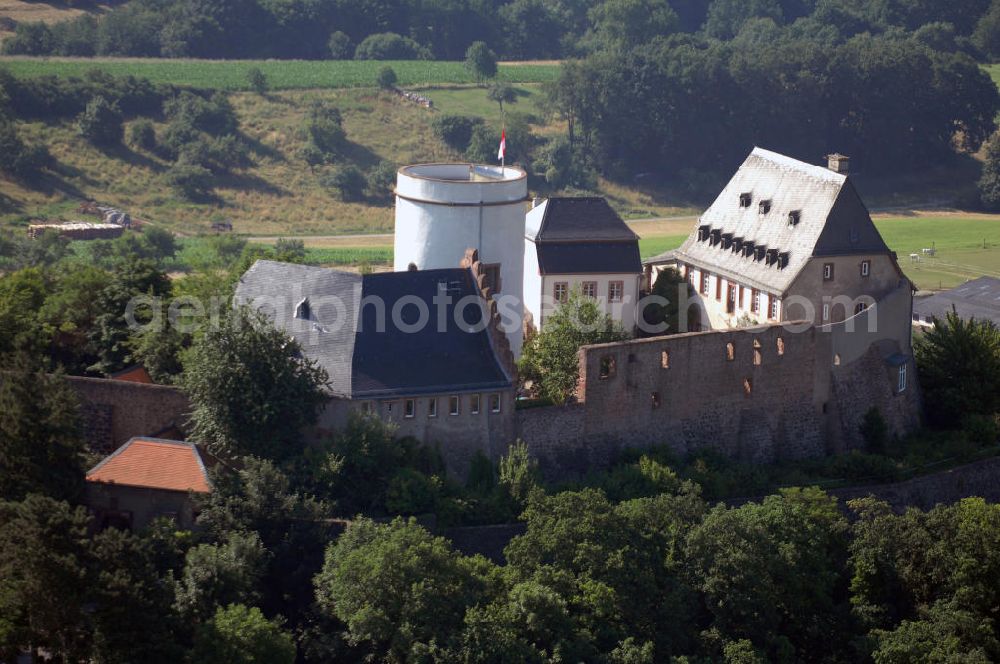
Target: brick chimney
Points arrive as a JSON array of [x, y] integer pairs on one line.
[[838, 163]]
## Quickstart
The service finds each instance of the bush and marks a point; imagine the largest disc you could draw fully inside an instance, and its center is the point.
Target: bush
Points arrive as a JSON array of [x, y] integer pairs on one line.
[[411, 492], [190, 181], [242, 635], [456, 130], [874, 430], [481, 61], [386, 78], [257, 80], [340, 46], [349, 182], [31, 38], [381, 179], [17, 158], [390, 46], [141, 134], [178, 133], [214, 115], [101, 122]]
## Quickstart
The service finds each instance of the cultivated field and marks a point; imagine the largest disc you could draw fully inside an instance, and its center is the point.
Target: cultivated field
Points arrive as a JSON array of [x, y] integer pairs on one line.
[[281, 74]]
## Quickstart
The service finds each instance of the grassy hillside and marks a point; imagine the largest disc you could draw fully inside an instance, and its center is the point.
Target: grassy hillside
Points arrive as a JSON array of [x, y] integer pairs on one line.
[[278, 195], [281, 74]]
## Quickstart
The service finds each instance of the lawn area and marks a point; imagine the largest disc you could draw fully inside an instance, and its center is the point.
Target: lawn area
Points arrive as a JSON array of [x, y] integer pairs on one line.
[[454, 100], [281, 74], [967, 246]]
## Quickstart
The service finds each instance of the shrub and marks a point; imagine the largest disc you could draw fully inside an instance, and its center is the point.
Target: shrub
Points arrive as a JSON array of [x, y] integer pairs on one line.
[[257, 80], [31, 38], [411, 492], [481, 61], [340, 46], [390, 46], [242, 635], [16, 157], [456, 130], [380, 179], [874, 430], [141, 134], [190, 181], [386, 78], [349, 182], [214, 115], [101, 122]]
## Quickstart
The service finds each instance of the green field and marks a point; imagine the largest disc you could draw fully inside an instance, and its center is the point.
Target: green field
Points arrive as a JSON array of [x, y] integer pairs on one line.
[[281, 74]]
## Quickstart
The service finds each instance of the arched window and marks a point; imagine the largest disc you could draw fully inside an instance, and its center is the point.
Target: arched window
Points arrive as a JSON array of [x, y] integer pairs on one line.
[[665, 359], [780, 343], [730, 351]]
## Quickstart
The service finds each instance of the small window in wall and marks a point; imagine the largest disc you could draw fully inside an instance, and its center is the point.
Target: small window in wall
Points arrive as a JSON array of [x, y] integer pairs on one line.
[[827, 271], [474, 404], [746, 199], [774, 307], [836, 359], [388, 407], [409, 408], [902, 377], [560, 291], [718, 288], [432, 407], [747, 386], [607, 367], [654, 399], [764, 206], [366, 407], [495, 403], [454, 405], [794, 217], [866, 268], [755, 301], [826, 311], [704, 283], [589, 288], [780, 343], [730, 351], [665, 360], [756, 357], [616, 289], [859, 307]]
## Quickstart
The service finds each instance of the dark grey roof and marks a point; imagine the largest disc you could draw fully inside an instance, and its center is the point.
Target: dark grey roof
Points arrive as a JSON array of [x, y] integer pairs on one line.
[[579, 219], [581, 236], [434, 359], [798, 209], [979, 298], [368, 360], [589, 258]]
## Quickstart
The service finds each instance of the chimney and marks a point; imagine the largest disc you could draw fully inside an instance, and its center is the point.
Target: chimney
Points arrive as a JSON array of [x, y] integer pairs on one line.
[[838, 163]]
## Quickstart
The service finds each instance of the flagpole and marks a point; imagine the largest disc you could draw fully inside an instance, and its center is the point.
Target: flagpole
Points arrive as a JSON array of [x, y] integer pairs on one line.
[[503, 134]]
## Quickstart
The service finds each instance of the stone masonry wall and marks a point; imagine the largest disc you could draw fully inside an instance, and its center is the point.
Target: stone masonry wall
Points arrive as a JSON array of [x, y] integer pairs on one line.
[[113, 411]]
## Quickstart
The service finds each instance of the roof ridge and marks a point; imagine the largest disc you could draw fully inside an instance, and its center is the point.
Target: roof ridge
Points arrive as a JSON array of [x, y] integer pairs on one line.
[[804, 167]]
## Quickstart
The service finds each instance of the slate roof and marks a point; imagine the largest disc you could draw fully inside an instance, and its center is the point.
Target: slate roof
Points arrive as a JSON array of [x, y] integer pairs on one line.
[[154, 463], [810, 211], [582, 235], [365, 360], [979, 298]]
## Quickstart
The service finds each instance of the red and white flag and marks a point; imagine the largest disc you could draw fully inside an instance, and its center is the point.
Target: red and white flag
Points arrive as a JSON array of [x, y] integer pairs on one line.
[[503, 144]]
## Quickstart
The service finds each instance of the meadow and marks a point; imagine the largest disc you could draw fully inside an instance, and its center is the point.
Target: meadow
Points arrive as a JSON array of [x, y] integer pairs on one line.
[[281, 74]]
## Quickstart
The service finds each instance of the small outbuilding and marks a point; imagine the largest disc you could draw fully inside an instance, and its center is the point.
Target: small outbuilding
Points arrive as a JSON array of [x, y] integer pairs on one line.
[[979, 299], [147, 478]]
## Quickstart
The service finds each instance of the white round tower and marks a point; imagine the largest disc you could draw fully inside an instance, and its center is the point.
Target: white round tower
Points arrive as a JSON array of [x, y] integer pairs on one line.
[[444, 209]]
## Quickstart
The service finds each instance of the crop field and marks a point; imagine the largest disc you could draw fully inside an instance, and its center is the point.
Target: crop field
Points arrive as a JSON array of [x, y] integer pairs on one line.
[[281, 74]]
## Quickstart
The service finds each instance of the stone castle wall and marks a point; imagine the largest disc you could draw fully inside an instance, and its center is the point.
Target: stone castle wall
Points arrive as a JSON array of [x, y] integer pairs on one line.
[[113, 411]]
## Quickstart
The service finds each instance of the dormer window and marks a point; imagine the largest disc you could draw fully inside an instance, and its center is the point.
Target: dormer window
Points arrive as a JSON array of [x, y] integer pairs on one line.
[[716, 237], [771, 257], [760, 252], [783, 260], [748, 249], [302, 310], [727, 240], [703, 233], [794, 217], [737, 244], [745, 200], [764, 206]]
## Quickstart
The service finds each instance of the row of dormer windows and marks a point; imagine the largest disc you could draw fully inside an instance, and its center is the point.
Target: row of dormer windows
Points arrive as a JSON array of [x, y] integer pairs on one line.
[[764, 207], [745, 248]]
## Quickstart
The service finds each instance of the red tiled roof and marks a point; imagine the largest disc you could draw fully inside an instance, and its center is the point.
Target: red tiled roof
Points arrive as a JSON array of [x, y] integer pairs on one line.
[[154, 463], [136, 374]]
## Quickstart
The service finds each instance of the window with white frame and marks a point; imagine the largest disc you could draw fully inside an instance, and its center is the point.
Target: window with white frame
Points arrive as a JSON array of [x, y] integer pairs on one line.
[[755, 301], [827, 271], [902, 377], [774, 307], [454, 405], [704, 283], [495, 403], [388, 407], [826, 311], [432, 407], [474, 404], [589, 288], [560, 291], [409, 408], [866, 268], [616, 289]]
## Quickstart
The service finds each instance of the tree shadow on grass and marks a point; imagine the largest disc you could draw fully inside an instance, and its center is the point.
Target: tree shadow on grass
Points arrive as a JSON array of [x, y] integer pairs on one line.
[[261, 149], [124, 153], [248, 182]]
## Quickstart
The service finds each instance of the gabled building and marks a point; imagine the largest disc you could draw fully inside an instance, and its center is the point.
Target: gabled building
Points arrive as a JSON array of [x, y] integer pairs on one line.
[[144, 479], [420, 349], [579, 243], [785, 240]]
